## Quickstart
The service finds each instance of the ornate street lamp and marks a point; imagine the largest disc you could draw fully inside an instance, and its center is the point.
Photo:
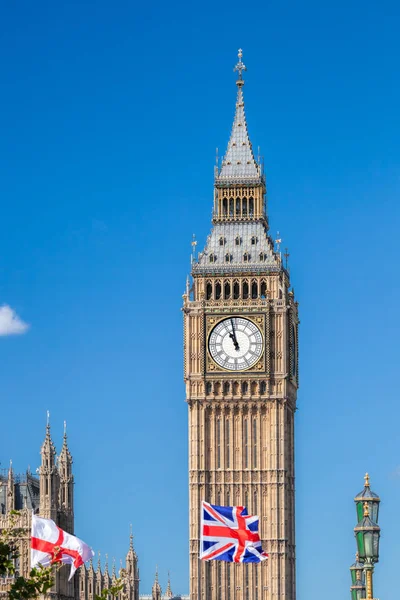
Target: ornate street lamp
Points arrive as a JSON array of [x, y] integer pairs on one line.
[[367, 534], [367, 496], [357, 580]]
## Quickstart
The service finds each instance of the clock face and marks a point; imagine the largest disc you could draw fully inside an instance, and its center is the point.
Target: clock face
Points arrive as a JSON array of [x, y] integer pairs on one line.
[[235, 344]]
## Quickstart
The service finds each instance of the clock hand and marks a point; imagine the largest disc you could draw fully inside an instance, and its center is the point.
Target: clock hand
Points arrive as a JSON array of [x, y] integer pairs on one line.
[[233, 336]]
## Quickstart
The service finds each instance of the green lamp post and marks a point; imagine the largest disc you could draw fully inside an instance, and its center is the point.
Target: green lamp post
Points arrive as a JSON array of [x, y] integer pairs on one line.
[[367, 534], [357, 580]]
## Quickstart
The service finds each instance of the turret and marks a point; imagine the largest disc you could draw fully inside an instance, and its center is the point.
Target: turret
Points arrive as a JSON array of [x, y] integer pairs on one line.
[[156, 589], [132, 571], [168, 591], [49, 477], [66, 490], [10, 489]]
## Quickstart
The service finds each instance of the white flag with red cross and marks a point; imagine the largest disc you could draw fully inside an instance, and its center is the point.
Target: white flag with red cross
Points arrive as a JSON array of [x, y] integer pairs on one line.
[[50, 545]]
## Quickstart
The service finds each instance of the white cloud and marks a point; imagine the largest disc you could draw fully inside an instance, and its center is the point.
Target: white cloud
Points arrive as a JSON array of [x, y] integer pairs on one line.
[[10, 323]]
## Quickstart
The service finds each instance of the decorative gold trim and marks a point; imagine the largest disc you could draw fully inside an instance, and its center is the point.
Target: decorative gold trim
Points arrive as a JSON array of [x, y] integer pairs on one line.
[[212, 322]]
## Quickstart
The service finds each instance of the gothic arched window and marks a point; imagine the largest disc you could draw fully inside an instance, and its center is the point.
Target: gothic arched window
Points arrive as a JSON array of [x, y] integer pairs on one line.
[[244, 207], [218, 290], [231, 208], [228, 258], [263, 289], [209, 290], [227, 290], [222, 241], [236, 292], [251, 207], [246, 257], [225, 207], [237, 207], [254, 289], [253, 240], [238, 241], [208, 388], [213, 258], [263, 387], [245, 290]]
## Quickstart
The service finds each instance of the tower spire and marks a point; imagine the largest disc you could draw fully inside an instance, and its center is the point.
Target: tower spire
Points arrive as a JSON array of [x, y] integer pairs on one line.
[[239, 164], [156, 591], [66, 499], [49, 476], [10, 488]]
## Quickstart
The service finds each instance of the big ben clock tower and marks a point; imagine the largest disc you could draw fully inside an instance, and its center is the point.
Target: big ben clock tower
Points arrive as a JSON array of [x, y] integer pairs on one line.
[[241, 376]]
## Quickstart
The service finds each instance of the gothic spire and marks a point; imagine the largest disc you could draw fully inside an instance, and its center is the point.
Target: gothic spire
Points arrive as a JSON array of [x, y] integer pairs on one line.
[[65, 454], [10, 489], [98, 564], [156, 589], [239, 164], [168, 592], [48, 450]]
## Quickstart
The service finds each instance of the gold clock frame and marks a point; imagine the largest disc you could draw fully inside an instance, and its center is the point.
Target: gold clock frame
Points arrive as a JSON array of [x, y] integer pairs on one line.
[[212, 321]]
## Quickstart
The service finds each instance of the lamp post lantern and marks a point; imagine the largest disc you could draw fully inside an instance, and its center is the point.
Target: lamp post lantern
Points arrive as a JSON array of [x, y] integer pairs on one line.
[[367, 495], [357, 580], [367, 534]]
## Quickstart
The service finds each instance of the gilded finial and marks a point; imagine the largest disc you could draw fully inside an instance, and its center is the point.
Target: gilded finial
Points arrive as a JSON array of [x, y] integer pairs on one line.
[[366, 479], [240, 67], [157, 573], [48, 420], [366, 509]]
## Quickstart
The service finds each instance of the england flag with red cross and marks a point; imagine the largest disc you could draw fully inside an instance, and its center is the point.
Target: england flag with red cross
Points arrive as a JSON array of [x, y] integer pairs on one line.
[[50, 545], [228, 533]]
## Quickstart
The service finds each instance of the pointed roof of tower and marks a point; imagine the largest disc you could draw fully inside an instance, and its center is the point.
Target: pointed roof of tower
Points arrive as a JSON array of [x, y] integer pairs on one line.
[[239, 164], [98, 570], [131, 551], [65, 454], [168, 591], [156, 585], [48, 446]]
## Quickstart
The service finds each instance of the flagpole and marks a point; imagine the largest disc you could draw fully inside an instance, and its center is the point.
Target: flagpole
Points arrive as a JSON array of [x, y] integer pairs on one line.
[[199, 578]]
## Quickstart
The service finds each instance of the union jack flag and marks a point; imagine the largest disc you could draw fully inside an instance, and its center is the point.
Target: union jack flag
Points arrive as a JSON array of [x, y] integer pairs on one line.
[[228, 533]]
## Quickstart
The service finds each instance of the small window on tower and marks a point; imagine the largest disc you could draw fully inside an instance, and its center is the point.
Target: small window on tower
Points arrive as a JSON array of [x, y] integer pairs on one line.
[[253, 240], [246, 257], [208, 388], [213, 258], [228, 258], [238, 241], [222, 241]]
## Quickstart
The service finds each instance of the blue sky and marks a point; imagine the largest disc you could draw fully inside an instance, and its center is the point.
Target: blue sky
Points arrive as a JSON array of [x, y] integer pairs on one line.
[[110, 114]]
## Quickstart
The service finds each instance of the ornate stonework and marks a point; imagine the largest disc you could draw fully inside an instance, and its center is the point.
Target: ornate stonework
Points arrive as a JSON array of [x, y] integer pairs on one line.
[[51, 495], [241, 421]]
